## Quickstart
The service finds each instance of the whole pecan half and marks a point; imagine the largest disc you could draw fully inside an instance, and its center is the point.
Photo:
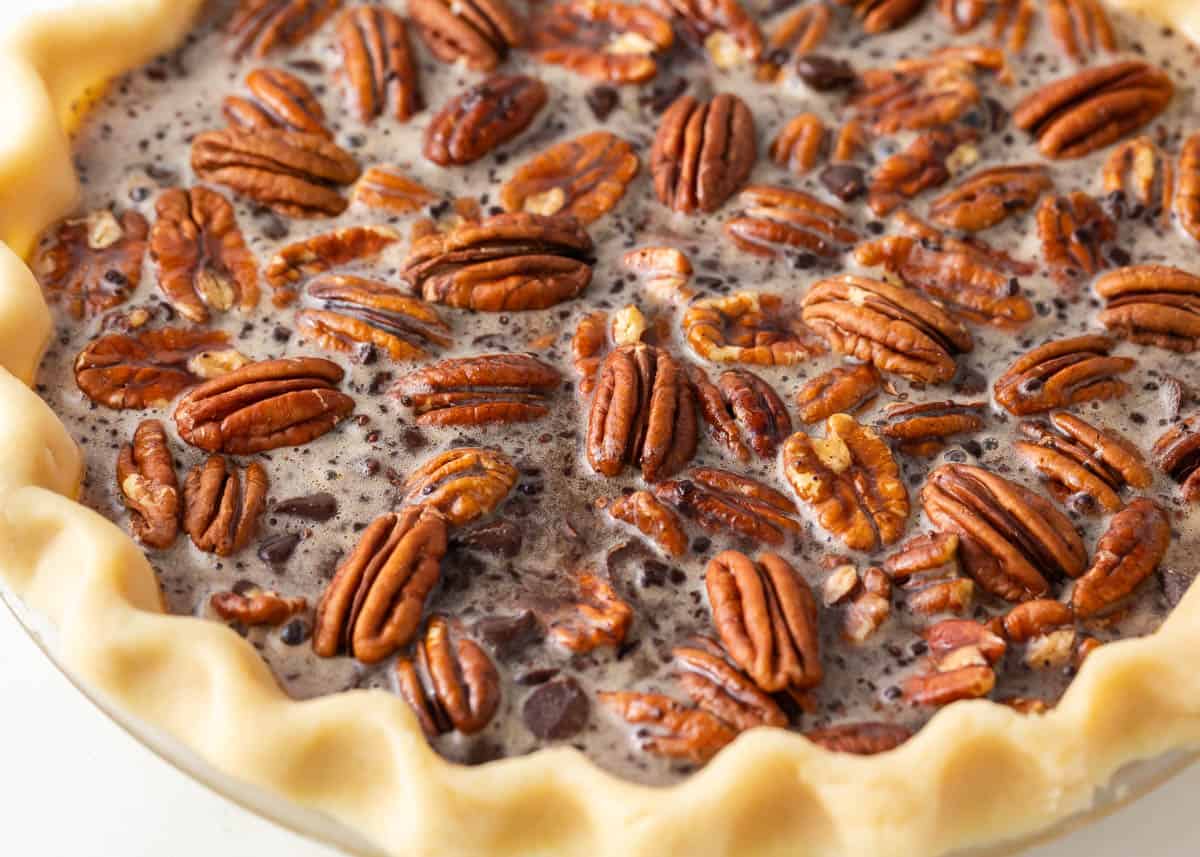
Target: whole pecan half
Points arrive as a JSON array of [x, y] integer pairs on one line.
[[718, 687], [924, 164], [922, 554], [606, 40], [252, 606], [740, 402], [713, 20], [1152, 305], [794, 37], [1008, 535], [1061, 373], [778, 219], [262, 26], [278, 99], [1139, 180], [451, 684], [703, 152], [1074, 231], [799, 144], [373, 605], [767, 618], [917, 94], [747, 327], [483, 117], [463, 484], [584, 177], [1097, 106], [321, 252], [1177, 454], [295, 174], [860, 739], [93, 264], [643, 413], [1187, 200], [990, 196], [895, 329], [378, 65], [669, 728], [507, 262], [1136, 541], [478, 32], [843, 389], [1033, 619], [263, 406], [653, 518], [387, 188], [920, 428], [879, 16], [488, 388], [602, 618], [220, 514], [1081, 27], [851, 481], [148, 485], [722, 502]]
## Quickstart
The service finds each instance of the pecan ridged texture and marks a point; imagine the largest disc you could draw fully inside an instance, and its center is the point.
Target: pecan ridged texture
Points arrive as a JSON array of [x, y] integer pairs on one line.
[[463, 484], [718, 687], [794, 37], [1139, 180], [920, 428], [1032, 619], [601, 39], [477, 32], [385, 187], [252, 606], [703, 152], [775, 220], [1011, 18], [880, 16], [1061, 373], [1152, 305], [747, 327], [668, 728], [653, 519], [451, 683], [584, 178], [917, 168], [485, 116], [860, 739], [378, 64], [149, 487], [1074, 231], [278, 99], [723, 503], [601, 618], [706, 19], [321, 252], [1136, 541], [93, 264], [480, 390], [1177, 454], [741, 402], [799, 144], [1187, 200], [843, 389], [990, 196], [221, 507], [1081, 27], [259, 27]]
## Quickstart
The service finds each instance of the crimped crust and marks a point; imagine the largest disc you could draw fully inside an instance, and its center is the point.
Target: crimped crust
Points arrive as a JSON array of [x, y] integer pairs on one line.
[[977, 773]]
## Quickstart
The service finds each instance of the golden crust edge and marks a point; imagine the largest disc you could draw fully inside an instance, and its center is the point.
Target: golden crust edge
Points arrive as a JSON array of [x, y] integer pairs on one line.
[[977, 773]]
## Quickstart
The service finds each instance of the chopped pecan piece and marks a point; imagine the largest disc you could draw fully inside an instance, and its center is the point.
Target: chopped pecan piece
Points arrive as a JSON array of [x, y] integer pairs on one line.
[[920, 428], [703, 152], [653, 519], [879, 16], [947, 596], [1008, 535], [389, 189], [714, 21], [203, 262], [1061, 373], [841, 390], [1133, 172], [1136, 541], [378, 65], [950, 636], [373, 605], [722, 502], [1081, 27], [321, 252], [924, 164], [148, 485], [860, 739], [254, 606], [481, 390], [895, 329], [971, 246], [1074, 230], [670, 728], [464, 484], [295, 174], [1026, 705], [587, 347], [1093, 108], [601, 619], [747, 327], [1177, 454], [1152, 305], [483, 117], [665, 271], [777, 219], [95, 263], [451, 684], [1187, 201], [278, 99], [742, 401], [942, 688], [263, 406], [1036, 618], [990, 196], [584, 177], [920, 554], [799, 144], [869, 608], [262, 26], [606, 40], [795, 36], [716, 686], [914, 95], [851, 481], [220, 514], [840, 585], [508, 262], [478, 32]]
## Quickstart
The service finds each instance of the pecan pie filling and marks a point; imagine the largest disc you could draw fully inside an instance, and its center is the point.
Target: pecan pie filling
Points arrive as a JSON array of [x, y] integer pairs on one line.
[[634, 375]]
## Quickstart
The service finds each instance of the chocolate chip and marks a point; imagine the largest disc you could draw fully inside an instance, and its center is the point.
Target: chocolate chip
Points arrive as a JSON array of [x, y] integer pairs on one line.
[[556, 710], [654, 573], [845, 181], [314, 507], [278, 549], [294, 632], [602, 100], [508, 634], [499, 537], [663, 94], [825, 73]]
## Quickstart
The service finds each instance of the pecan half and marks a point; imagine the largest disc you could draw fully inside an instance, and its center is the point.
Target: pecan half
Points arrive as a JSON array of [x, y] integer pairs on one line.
[[463, 484], [220, 514], [722, 502], [601, 619], [584, 177], [777, 219], [643, 413], [148, 485], [278, 99], [1177, 454], [924, 164], [747, 327], [1036, 618], [942, 688], [508, 262], [1074, 230], [608, 41], [990, 196], [373, 605], [665, 273], [262, 26], [1011, 17], [93, 264], [713, 21], [920, 428], [1086, 111], [263, 406], [795, 36], [936, 90], [587, 348], [295, 174], [321, 252], [879, 16], [860, 739], [1081, 27], [1008, 535], [843, 389], [891, 327], [703, 152], [851, 481], [1187, 200], [203, 262], [654, 519], [1061, 373], [253, 606], [669, 728], [767, 618], [1152, 305], [920, 554], [740, 402], [387, 188], [1139, 172], [799, 143], [1136, 541], [451, 684], [478, 32], [481, 390], [483, 117], [947, 596], [719, 688], [378, 65], [972, 246]]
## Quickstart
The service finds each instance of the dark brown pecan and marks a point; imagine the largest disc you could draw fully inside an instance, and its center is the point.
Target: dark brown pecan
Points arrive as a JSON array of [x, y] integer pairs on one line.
[[895, 329], [795, 36], [373, 605], [148, 485], [1013, 17], [358, 317], [1036, 618], [608, 41], [515, 261], [713, 21], [220, 514], [1074, 231], [722, 502], [776, 219], [1152, 305], [253, 606], [1187, 200], [483, 117], [478, 32], [851, 481], [149, 368], [321, 252], [1093, 108], [1081, 27], [990, 196], [843, 389], [879, 16], [451, 684], [202, 260], [602, 618], [860, 739], [747, 327], [1136, 541], [378, 65], [481, 390], [389, 189], [669, 728], [920, 428], [719, 688], [1008, 535], [643, 413], [799, 144], [703, 152], [1177, 454], [767, 619], [1082, 459], [584, 178], [1139, 180], [295, 174], [919, 167], [464, 484], [1061, 373], [653, 518], [921, 554], [262, 26], [278, 99], [587, 348], [263, 406], [93, 264], [740, 402]]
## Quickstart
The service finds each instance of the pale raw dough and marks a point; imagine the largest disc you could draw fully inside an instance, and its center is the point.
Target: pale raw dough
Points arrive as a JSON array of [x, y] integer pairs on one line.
[[977, 773]]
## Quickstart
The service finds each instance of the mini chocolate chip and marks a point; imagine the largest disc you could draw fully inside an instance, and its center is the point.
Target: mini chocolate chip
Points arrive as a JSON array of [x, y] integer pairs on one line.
[[1119, 257], [278, 549], [499, 537], [556, 710], [825, 73], [845, 181], [274, 228], [315, 507], [602, 100], [509, 634], [281, 333], [654, 573], [294, 632]]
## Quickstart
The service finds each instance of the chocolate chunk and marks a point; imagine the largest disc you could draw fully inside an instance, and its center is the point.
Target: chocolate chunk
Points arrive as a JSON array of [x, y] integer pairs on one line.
[[845, 181], [499, 538], [294, 632], [825, 73], [278, 549], [662, 95], [556, 710], [314, 507], [507, 635], [602, 100]]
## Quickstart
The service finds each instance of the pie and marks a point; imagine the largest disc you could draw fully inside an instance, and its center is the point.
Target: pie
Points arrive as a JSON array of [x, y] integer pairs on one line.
[[697, 427]]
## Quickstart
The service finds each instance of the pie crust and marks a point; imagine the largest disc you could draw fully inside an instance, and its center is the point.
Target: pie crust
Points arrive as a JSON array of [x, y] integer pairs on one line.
[[977, 773]]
